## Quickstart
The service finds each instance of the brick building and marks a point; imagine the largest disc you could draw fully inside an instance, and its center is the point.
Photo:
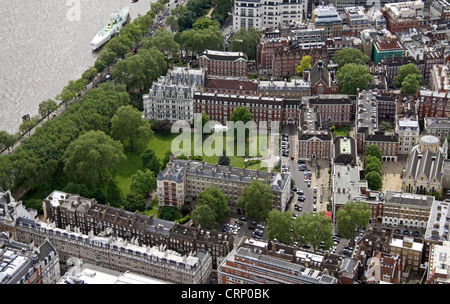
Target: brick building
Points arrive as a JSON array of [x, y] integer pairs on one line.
[[285, 62], [401, 17], [388, 143], [332, 109], [220, 63], [220, 107], [432, 104], [322, 79], [314, 145]]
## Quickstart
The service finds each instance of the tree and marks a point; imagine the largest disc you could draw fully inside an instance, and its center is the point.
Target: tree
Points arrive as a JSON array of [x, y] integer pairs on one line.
[[128, 126], [217, 201], [245, 41], [256, 199], [350, 55], [105, 58], [143, 182], [6, 140], [99, 196], [113, 195], [77, 188], [352, 215], [404, 71], [374, 180], [385, 126], [353, 76], [279, 225], [134, 201], [134, 31], [204, 23], [150, 161], [120, 45], [410, 84], [172, 23], [90, 73], [241, 114], [372, 167], [46, 107], [305, 63], [204, 216], [315, 229], [168, 213], [374, 150], [224, 160], [163, 41], [28, 124], [90, 158]]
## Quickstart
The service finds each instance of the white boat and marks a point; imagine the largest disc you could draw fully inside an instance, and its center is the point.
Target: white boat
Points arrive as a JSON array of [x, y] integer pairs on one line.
[[118, 19]]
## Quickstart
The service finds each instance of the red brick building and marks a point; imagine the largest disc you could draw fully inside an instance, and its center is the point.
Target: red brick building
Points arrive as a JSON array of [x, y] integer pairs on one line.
[[433, 104], [322, 80], [285, 62], [332, 109], [228, 85], [266, 49], [388, 144], [219, 63], [314, 145], [220, 107]]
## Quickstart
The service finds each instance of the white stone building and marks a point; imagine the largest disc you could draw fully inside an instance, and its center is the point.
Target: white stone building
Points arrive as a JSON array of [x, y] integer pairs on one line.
[[267, 14]]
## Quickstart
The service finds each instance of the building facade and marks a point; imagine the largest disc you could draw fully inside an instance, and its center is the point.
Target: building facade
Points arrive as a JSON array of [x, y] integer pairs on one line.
[[198, 176], [219, 63]]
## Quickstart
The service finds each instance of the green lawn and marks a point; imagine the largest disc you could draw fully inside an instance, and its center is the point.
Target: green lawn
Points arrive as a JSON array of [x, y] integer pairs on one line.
[[341, 131]]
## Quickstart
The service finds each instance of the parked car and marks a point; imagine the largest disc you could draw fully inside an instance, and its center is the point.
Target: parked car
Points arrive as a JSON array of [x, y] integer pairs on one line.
[[292, 157], [300, 192], [243, 218]]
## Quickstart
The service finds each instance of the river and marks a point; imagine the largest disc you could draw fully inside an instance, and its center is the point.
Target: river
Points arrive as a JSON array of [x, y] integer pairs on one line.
[[45, 44]]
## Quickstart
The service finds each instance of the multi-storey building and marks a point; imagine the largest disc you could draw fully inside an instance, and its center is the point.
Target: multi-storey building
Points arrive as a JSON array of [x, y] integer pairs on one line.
[[220, 107], [436, 126], [438, 264], [440, 8], [195, 177], [117, 254], [86, 216], [254, 262], [391, 66], [348, 186], [267, 14], [402, 16], [230, 85], [83, 273], [332, 109], [388, 144], [266, 50], [406, 209], [294, 89], [439, 80], [409, 250], [307, 37], [357, 19], [328, 18], [219, 63], [408, 130], [285, 62], [314, 145], [384, 268], [171, 97], [424, 166], [387, 49], [322, 79], [432, 104], [21, 263], [436, 232]]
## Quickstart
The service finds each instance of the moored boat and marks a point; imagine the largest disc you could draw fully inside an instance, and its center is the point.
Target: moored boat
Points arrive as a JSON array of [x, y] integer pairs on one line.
[[117, 21]]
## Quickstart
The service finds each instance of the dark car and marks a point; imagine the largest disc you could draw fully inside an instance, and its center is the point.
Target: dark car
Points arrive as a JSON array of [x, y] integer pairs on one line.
[[243, 218]]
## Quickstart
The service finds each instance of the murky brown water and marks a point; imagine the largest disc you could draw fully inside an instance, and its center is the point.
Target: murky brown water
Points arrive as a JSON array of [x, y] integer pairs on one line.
[[44, 44]]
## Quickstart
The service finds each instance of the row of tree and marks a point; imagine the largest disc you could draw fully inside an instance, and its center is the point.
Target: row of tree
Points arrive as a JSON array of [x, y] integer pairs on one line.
[[372, 167]]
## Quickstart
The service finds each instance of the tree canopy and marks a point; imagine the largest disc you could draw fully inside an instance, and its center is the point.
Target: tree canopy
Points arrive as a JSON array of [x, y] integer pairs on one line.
[[352, 215], [217, 201], [90, 158], [256, 199], [350, 55], [245, 41], [314, 229], [353, 76], [279, 225], [128, 126]]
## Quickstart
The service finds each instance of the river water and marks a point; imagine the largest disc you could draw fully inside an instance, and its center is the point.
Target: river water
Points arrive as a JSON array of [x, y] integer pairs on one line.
[[44, 44]]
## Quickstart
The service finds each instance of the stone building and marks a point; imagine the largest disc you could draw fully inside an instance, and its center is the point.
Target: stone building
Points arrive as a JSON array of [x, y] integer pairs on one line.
[[424, 166], [195, 177]]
